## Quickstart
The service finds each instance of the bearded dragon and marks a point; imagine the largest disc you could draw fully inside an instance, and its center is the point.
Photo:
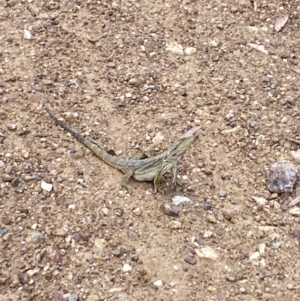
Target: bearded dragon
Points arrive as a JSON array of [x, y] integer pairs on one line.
[[148, 169]]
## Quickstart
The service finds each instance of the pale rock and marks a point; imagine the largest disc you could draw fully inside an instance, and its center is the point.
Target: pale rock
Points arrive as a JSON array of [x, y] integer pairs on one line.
[[46, 186], [175, 48], [295, 211], [259, 200], [207, 252], [262, 262], [207, 234], [261, 248], [105, 211], [137, 211], [158, 138], [296, 154], [100, 244], [158, 283], [36, 237], [174, 225], [32, 272], [27, 34], [254, 256], [126, 267], [178, 200], [93, 298], [190, 50], [214, 43]]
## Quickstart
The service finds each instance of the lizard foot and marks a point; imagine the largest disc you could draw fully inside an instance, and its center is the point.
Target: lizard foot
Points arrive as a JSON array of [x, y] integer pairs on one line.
[[127, 187]]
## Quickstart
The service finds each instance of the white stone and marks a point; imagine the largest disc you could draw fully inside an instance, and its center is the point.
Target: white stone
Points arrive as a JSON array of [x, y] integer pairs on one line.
[[207, 234], [175, 48], [126, 267], [207, 252], [158, 283], [254, 256], [296, 154], [178, 200], [190, 50], [27, 34], [294, 211], [158, 138], [261, 248], [259, 200], [46, 186]]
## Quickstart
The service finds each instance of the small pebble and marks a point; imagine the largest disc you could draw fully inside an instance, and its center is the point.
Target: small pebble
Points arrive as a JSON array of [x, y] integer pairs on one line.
[[158, 138], [59, 232], [122, 296], [207, 206], [175, 48], [15, 182], [170, 210], [254, 256], [174, 225], [3, 231], [207, 234], [7, 178], [261, 248], [73, 297], [46, 186], [190, 260], [214, 43], [207, 252], [296, 154], [230, 278], [93, 298], [27, 34], [222, 193], [126, 267], [277, 244], [11, 126], [137, 211], [25, 155], [132, 81], [36, 237], [282, 177], [211, 218], [295, 233], [20, 189], [211, 288], [190, 50], [181, 200], [295, 211], [105, 211], [158, 283], [215, 58]]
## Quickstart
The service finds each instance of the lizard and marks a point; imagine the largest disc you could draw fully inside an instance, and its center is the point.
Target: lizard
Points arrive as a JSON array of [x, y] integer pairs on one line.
[[146, 169]]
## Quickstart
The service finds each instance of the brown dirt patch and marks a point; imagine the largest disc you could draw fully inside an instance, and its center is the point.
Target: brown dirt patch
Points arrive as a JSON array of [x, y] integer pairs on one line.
[[107, 62]]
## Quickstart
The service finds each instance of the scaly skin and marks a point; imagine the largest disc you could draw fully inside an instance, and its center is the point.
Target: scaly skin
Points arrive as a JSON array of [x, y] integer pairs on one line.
[[149, 169]]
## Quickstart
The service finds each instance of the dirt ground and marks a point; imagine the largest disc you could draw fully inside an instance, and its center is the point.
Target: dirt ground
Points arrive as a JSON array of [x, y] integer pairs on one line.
[[137, 74]]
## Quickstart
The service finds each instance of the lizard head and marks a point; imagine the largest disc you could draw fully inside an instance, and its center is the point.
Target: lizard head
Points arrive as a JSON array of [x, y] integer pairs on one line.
[[180, 145]]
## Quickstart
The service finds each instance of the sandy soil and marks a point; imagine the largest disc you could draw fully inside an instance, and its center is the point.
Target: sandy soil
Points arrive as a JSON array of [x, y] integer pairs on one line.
[[137, 74]]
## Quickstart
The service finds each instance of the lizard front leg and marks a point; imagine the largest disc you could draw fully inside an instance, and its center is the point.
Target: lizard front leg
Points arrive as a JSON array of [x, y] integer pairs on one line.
[[175, 180], [124, 183]]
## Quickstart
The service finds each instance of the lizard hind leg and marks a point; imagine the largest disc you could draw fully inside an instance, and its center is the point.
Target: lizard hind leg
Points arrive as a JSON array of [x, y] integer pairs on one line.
[[157, 184], [124, 183]]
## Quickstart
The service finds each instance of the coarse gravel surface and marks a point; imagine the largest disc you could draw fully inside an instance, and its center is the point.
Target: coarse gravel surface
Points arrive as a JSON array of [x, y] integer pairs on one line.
[[135, 75]]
